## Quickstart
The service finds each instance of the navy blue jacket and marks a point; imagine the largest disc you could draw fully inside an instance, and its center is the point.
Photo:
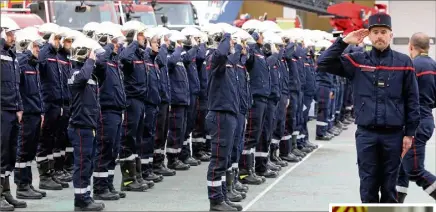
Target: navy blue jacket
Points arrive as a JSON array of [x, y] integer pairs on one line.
[[273, 65], [178, 78], [154, 84], [245, 99], [201, 67], [85, 107], [300, 55], [112, 96], [284, 72], [294, 79], [425, 68], [54, 69], [260, 83], [385, 85], [310, 88], [162, 62], [29, 83], [323, 79], [223, 82], [134, 69], [10, 76], [189, 56]]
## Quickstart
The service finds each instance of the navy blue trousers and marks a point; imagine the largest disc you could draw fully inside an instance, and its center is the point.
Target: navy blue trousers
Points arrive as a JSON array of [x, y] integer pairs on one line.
[[132, 129], [191, 117], [199, 133], [8, 144], [107, 148], [262, 148], [28, 137], [238, 144], [221, 127], [161, 134], [304, 134], [147, 145], [339, 100], [293, 113], [378, 159], [176, 132], [323, 113], [84, 144], [255, 122], [413, 168], [280, 120]]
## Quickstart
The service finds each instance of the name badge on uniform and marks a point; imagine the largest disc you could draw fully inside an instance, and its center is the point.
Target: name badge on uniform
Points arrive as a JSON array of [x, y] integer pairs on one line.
[[381, 83]]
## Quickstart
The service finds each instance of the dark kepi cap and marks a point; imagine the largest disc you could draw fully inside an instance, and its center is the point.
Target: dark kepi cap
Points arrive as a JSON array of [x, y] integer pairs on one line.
[[380, 20]]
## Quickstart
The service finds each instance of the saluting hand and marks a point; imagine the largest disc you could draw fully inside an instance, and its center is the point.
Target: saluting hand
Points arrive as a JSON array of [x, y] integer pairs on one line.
[[356, 37], [407, 144]]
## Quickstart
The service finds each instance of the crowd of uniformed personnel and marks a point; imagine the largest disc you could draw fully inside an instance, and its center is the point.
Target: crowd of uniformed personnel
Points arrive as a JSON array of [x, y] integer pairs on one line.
[[78, 103]]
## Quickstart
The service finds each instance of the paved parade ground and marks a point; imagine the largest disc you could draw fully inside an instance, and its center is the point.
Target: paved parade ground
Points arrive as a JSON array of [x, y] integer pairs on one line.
[[327, 175]]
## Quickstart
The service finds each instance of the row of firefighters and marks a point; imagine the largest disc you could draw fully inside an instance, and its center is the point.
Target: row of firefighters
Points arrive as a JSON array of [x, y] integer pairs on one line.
[[78, 111]]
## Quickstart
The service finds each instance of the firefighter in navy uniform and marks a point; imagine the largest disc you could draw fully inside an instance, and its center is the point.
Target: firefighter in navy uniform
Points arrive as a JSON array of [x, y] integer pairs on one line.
[[85, 111], [413, 162], [11, 112], [54, 69], [112, 102], [162, 125], [135, 84], [387, 105], [32, 116], [221, 120]]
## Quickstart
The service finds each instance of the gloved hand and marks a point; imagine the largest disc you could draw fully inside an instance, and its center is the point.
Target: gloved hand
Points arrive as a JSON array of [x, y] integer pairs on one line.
[[193, 41]]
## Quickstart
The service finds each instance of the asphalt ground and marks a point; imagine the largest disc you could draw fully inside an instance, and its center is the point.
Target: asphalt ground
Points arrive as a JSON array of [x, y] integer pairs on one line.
[[327, 175]]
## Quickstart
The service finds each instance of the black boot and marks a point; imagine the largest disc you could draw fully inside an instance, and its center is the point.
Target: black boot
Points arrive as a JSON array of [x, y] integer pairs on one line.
[[149, 175], [191, 161], [161, 169], [58, 174], [433, 194], [401, 197], [45, 180], [105, 195], [247, 175], [234, 197], [291, 158], [129, 182], [268, 173], [25, 192], [139, 177], [8, 196], [277, 160], [88, 206], [220, 206], [176, 164], [295, 150], [4, 205], [238, 185], [29, 177], [112, 188], [243, 194], [202, 156], [273, 166]]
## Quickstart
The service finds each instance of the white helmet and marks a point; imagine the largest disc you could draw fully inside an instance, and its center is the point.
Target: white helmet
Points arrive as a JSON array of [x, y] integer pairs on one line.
[[47, 29], [107, 31], [89, 29], [177, 36], [272, 38], [251, 25], [27, 36], [134, 25], [7, 24], [191, 31], [82, 46], [269, 26]]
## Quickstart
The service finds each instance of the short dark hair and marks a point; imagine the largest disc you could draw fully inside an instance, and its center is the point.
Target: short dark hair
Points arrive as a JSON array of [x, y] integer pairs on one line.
[[420, 41]]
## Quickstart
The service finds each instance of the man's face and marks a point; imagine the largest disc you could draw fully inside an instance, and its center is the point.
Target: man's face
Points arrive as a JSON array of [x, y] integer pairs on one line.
[[10, 38], [154, 45], [35, 49], [380, 37], [260, 40], [141, 38], [67, 44], [116, 45]]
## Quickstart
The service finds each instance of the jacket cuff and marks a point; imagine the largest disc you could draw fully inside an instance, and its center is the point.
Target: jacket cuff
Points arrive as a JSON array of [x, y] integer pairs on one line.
[[410, 131]]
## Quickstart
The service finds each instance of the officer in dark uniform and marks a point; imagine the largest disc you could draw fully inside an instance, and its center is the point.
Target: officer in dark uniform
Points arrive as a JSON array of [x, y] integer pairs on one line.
[[135, 85], [221, 120], [85, 110], [32, 117], [413, 163], [11, 115], [163, 116], [112, 102], [387, 105]]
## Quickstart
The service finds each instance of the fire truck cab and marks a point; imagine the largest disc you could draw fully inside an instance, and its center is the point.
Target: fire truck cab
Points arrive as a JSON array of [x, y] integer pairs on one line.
[[24, 20], [128, 10], [71, 14], [174, 14]]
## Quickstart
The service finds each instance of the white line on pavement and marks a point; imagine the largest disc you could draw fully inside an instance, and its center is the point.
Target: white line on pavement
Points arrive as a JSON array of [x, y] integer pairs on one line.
[[267, 189]]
